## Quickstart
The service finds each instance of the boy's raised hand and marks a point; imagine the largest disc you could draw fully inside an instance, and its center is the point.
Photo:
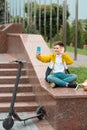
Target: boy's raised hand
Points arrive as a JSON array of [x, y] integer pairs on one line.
[[62, 50], [37, 54]]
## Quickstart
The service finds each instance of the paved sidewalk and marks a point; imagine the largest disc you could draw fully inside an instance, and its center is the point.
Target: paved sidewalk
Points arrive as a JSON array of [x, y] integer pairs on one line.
[[5, 58], [29, 124], [81, 60]]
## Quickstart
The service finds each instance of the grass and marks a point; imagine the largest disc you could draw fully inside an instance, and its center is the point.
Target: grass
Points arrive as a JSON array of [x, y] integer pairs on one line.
[[79, 51], [81, 73]]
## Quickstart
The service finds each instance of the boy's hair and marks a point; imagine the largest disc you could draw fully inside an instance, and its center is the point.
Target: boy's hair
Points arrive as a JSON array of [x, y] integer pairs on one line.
[[59, 43]]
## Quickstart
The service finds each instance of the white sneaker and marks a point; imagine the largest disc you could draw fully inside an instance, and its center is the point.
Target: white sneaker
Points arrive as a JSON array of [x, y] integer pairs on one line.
[[52, 85]]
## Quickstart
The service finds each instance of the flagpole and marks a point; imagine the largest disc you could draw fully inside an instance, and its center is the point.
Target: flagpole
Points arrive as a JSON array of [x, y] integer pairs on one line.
[[76, 30], [39, 16], [45, 19], [57, 17], [64, 21], [51, 24], [35, 15]]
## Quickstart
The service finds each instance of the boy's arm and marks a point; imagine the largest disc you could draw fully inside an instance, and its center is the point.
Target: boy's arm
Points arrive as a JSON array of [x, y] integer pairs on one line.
[[42, 58], [67, 59]]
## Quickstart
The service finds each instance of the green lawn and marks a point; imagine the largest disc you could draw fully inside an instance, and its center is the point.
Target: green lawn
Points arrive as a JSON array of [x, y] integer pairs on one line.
[[79, 51], [81, 73]]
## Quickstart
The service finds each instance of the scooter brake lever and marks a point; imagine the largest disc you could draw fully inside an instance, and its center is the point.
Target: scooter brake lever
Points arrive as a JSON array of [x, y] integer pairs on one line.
[[18, 61]]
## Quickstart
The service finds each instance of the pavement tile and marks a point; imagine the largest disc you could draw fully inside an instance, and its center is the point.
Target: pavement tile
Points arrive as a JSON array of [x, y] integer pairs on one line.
[[28, 125]]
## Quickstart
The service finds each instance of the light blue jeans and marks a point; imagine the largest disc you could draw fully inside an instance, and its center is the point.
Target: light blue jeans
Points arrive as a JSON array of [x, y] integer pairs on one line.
[[61, 79]]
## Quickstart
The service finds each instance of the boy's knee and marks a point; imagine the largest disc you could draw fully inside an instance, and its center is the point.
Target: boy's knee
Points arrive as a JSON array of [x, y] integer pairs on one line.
[[49, 77], [75, 76]]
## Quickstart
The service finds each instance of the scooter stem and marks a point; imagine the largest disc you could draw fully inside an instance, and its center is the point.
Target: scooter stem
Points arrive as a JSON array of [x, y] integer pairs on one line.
[[20, 64]]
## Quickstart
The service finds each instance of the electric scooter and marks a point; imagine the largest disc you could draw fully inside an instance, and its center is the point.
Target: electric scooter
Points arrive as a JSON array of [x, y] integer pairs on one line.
[[9, 121]]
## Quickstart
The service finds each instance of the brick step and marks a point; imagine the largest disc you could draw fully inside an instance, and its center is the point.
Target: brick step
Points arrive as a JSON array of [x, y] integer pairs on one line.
[[11, 72], [13, 65], [25, 100], [21, 97], [8, 65], [31, 72], [11, 79], [33, 79], [19, 107], [8, 88]]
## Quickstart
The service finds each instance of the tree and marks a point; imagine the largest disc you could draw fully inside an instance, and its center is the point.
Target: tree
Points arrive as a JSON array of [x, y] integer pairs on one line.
[[85, 32], [69, 34], [54, 18], [80, 34], [2, 10]]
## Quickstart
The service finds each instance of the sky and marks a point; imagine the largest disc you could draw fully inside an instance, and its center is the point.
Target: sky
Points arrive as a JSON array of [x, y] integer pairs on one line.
[[82, 7]]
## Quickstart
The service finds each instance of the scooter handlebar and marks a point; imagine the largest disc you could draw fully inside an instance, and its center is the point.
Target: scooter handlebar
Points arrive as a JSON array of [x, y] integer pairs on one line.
[[18, 61]]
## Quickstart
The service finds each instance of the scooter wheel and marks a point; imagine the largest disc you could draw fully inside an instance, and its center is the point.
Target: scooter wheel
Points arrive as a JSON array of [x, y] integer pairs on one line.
[[40, 113], [8, 123]]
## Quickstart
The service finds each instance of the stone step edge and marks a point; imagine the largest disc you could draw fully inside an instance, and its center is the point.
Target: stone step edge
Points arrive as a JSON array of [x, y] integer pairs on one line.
[[18, 94], [19, 104], [12, 85]]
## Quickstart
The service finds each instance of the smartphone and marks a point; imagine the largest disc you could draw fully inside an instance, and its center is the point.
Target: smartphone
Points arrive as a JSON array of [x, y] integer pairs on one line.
[[38, 49]]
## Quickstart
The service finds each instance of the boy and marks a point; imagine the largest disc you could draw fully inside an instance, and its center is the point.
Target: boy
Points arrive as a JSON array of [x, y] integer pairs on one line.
[[58, 60]]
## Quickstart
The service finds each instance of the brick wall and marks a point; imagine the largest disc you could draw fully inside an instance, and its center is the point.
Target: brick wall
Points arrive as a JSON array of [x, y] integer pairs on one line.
[[4, 30], [3, 46]]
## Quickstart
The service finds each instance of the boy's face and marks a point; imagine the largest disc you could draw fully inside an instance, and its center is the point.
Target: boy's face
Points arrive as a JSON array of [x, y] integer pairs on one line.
[[58, 49]]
